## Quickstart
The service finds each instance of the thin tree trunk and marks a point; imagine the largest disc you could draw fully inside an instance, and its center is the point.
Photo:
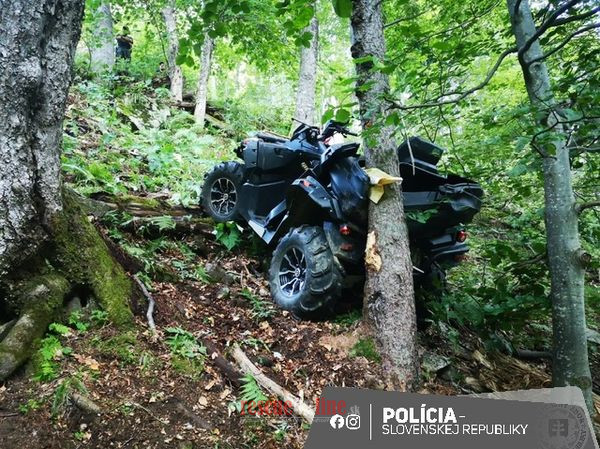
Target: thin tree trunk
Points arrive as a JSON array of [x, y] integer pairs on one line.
[[570, 366], [175, 73], [307, 79], [389, 295], [202, 89], [103, 47]]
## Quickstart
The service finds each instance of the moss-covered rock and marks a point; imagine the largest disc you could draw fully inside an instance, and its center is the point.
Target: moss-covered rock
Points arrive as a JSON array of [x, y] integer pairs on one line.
[[81, 255]]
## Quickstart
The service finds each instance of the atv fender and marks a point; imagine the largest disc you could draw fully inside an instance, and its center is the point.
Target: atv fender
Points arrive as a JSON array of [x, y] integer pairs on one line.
[[310, 190], [346, 249]]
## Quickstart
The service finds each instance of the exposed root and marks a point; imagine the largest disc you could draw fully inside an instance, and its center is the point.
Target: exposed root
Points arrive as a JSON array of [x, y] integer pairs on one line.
[[150, 311], [42, 299]]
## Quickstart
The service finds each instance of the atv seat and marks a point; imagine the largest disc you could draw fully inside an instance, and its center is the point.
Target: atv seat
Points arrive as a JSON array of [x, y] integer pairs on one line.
[[423, 154], [268, 137]]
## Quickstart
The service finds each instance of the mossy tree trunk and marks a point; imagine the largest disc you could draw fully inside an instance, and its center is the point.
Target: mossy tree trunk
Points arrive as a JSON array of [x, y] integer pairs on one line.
[[47, 245]]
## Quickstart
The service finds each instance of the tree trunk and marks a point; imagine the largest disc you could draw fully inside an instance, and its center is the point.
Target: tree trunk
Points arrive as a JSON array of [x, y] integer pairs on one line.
[[389, 295], [103, 47], [202, 90], [570, 366], [33, 93], [175, 73], [47, 245], [307, 80]]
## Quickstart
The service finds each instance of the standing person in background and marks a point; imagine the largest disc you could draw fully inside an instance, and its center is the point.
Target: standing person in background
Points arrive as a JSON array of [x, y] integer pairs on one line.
[[124, 44]]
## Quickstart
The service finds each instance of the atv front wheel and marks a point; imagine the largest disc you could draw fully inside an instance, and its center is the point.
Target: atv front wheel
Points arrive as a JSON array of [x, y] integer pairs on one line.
[[220, 192], [303, 276]]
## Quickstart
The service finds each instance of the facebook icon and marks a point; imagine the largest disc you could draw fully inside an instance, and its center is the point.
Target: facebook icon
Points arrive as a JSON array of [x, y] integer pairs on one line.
[[337, 421]]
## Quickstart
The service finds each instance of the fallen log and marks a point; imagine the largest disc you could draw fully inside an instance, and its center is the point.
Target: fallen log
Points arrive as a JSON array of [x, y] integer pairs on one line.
[[300, 407], [528, 354], [171, 225], [152, 217], [100, 204]]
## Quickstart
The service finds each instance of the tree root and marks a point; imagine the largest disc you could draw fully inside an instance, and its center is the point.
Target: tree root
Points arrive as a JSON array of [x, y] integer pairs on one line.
[[300, 407], [150, 311], [41, 299], [75, 258]]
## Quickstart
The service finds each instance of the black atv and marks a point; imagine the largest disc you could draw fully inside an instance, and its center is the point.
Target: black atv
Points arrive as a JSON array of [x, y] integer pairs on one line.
[[310, 199]]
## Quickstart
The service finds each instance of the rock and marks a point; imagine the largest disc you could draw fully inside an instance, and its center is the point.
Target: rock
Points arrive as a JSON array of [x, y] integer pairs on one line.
[[73, 305], [218, 274], [449, 373], [223, 293], [373, 382], [432, 362]]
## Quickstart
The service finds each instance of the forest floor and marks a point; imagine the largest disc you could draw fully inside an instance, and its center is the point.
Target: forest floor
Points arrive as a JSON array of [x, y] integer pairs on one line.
[[162, 391], [151, 398]]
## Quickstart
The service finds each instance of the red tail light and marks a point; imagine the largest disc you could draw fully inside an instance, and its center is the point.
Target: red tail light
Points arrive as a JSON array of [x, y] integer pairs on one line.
[[345, 230], [461, 236]]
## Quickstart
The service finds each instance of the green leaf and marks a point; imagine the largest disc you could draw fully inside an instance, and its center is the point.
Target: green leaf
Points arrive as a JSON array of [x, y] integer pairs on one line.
[[343, 8], [342, 115], [328, 115]]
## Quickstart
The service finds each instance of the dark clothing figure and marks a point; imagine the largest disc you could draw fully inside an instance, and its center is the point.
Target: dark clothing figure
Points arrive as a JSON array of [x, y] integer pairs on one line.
[[124, 44]]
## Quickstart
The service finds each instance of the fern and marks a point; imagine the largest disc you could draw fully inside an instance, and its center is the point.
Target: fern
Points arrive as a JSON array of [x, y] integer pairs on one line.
[[164, 222], [251, 391], [50, 350], [183, 343]]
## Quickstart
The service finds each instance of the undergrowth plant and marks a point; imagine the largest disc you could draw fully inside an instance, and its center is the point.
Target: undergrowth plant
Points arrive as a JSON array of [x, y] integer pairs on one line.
[[228, 234], [63, 391], [47, 358], [251, 394], [261, 309], [188, 355]]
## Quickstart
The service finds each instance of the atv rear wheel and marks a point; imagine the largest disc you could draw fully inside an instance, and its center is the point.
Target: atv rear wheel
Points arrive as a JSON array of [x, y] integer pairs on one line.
[[304, 277], [220, 192]]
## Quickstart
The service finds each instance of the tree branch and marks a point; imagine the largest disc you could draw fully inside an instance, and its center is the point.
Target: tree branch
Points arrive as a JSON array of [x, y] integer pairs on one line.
[[580, 207], [565, 42], [404, 19], [298, 405], [462, 95], [544, 27], [576, 17]]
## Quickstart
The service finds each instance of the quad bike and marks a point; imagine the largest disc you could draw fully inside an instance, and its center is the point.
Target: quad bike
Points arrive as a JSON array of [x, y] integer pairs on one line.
[[309, 200]]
